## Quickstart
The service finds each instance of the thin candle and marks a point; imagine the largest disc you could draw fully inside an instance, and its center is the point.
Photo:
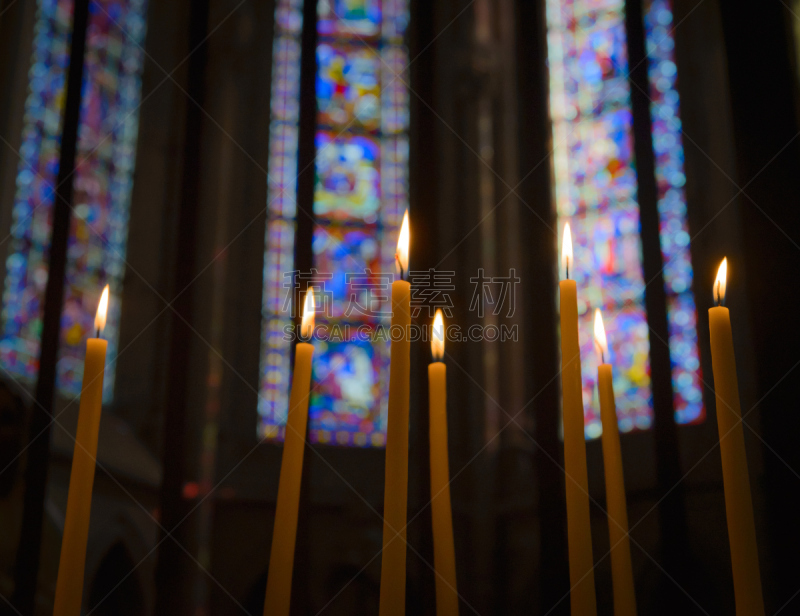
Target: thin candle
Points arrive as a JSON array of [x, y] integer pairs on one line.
[[69, 586], [579, 532], [735, 475], [621, 567], [284, 534], [395, 499], [444, 556]]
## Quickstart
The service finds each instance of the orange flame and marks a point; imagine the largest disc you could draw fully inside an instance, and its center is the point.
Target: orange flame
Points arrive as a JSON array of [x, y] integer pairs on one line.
[[600, 340], [102, 312], [437, 340], [307, 324], [721, 283]]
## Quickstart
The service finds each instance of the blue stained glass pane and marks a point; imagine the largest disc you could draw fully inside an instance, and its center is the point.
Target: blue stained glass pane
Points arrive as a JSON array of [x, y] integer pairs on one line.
[[346, 400], [674, 227], [348, 86], [348, 178], [346, 253], [687, 383]]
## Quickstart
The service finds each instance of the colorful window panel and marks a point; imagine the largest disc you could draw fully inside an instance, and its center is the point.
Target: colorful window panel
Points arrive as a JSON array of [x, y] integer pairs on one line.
[[360, 194], [102, 185], [595, 190], [281, 219], [674, 229]]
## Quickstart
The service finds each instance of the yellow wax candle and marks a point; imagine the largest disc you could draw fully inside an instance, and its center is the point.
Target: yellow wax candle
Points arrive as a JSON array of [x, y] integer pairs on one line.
[[393, 556], [735, 476], [281, 558], [621, 567], [69, 586], [444, 554], [579, 532]]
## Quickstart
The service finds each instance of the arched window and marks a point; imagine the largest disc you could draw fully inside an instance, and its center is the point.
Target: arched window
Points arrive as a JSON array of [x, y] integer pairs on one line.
[[360, 193], [102, 181], [596, 190]]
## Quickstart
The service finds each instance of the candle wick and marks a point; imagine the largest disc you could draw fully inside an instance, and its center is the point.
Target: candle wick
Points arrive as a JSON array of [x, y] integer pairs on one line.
[[602, 355], [567, 261], [98, 332]]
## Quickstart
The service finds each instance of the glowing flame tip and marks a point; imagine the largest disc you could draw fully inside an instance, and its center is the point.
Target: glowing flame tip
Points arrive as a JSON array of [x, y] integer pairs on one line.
[[437, 339], [102, 312], [566, 250], [402, 245], [600, 335], [307, 324], [721, 283]]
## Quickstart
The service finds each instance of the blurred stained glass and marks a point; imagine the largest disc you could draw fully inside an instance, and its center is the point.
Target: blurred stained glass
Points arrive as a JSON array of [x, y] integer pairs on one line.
[[346, 253], [595, 190], [347, 395], [349, 18], [348, 178], [348, 86], [360, 193], [276, 349], [674, 227], [394, 96], [394, 182], [102, 182]]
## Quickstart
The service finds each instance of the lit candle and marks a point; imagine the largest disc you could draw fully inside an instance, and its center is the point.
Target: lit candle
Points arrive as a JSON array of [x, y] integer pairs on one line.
[[579, 532], [69, 587], [621, 568], [444, 554], [281, 558], [735, 476], [393, 556]]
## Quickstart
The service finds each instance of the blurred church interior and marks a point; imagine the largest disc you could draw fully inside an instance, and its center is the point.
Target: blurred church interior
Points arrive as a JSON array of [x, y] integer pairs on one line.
[[216, 147]]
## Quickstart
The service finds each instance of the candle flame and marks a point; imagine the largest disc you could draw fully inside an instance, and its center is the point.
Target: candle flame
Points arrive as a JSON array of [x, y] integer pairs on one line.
[[721, 283], [437, 340], [402, 246], [307, 324], [566, 250], [102, 312], [600, 340]]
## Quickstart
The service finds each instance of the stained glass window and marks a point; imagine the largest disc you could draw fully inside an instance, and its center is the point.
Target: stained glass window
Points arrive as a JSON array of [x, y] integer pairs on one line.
[[360, 193], [596, 190], [674, 230], [281, 217], [102, 185]]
